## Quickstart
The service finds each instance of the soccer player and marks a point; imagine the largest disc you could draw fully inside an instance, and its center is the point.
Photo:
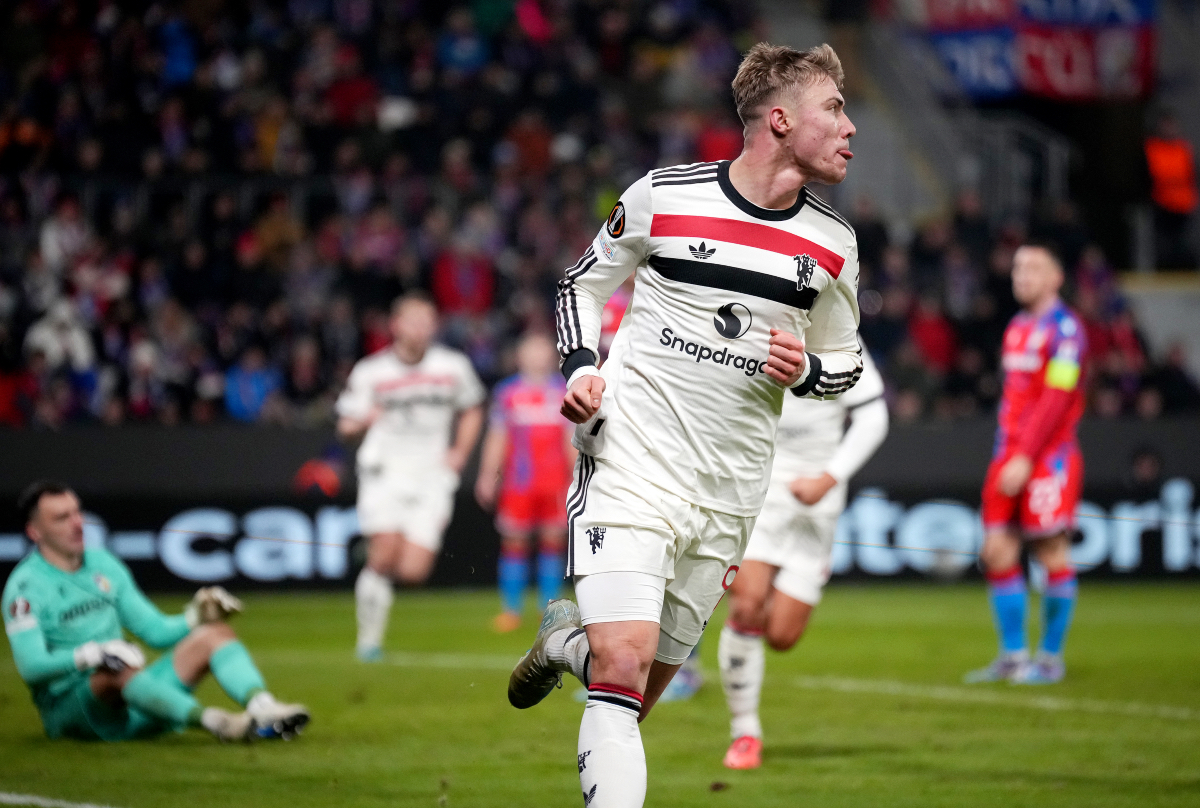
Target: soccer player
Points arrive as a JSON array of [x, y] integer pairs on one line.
[[402, 404], [527, 457], [745, 292], [787, 561], [1035, 479], [66, 609]]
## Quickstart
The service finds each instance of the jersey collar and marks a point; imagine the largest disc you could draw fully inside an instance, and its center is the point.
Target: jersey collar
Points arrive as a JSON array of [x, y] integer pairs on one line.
[[746, 206]]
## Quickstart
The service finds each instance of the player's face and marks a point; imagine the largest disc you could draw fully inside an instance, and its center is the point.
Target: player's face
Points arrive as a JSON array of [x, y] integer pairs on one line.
[[536, 356], [1035, 277], [57, 524], [820, 139], [415, 325]]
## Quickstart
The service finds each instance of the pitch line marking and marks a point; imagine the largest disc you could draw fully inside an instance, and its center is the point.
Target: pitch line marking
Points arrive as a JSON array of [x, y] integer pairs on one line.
[[884, 687], [35, 801]]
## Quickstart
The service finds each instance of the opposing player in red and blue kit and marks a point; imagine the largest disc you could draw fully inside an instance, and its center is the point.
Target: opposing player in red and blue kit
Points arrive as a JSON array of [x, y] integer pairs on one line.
[[525, 471], [1036, 476]]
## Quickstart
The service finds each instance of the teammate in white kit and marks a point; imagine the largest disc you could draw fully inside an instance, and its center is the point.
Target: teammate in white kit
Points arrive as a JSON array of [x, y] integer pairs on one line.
[[405, 403], [787, 561], [746, 286]]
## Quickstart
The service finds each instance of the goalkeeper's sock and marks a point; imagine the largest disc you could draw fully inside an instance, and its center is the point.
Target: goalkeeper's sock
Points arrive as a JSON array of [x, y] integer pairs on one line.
[[550, 571], [236, 672], [514, 577], [1006, 591], [1058, 605], [373, 601], [168, 700], [742, 661]]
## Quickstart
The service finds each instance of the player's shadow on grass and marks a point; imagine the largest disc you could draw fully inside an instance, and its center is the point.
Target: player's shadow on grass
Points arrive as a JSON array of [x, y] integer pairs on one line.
[[813, 751]]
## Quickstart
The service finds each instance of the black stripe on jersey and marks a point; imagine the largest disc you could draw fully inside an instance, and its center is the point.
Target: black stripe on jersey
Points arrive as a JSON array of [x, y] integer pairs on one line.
[[820, 206], [706, 178], [566, 318], [679, 171], [575, 505], [814, 375], [734, 279]]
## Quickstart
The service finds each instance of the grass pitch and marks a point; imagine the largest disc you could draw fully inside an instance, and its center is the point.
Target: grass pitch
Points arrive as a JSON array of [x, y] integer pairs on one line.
[[867, 711]]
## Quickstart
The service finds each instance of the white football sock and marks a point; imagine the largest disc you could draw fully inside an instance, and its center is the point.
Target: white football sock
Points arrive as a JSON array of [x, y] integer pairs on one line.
[[373, 599], [742, 660], [568, 650], [612, 762]]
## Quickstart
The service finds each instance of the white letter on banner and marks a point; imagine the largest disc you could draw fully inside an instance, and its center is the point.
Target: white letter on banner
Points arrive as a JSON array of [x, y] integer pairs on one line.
[[1178, 550], [1129, 522], [177, 536], [1092, 521], [335, 528], [277, 545], [941, 537], [874, 518], [95, 531]]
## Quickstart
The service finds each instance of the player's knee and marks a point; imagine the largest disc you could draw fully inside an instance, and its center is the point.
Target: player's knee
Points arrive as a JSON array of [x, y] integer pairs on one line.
[[748, 614], [620, 664], [783, 639], [212, 636]]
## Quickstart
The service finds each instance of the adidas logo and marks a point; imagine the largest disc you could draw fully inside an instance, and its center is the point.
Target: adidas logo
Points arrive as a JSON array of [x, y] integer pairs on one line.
[[701, 253]]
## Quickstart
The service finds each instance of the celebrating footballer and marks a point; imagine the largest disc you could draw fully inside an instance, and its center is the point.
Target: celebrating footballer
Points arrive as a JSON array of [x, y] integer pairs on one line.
[[676, 433]]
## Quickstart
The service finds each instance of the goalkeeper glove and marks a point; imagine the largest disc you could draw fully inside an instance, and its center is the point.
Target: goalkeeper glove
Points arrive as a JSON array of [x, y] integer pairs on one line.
[[112, 655], [210, 605]]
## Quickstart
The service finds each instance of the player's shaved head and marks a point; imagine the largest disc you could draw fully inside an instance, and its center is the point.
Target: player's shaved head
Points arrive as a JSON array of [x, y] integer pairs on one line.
[[1037, 274], [770, 71]]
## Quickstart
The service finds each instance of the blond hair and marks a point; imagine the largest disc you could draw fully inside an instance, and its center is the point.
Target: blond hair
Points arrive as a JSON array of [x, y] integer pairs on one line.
[[769, 70]]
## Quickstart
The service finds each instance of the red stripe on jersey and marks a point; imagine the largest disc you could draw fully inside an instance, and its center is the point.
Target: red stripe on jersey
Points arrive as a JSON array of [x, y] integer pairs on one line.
[[748, 234], [415, 378]]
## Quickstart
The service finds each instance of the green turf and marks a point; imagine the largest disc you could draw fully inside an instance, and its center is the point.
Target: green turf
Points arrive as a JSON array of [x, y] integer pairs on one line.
[[434, 728]]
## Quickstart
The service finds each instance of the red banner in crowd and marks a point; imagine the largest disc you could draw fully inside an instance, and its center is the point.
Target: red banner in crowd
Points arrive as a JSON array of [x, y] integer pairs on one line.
[[1084, 63]]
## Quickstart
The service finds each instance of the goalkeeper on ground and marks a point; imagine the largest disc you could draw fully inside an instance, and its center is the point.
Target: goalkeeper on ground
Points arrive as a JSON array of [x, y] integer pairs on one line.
[[65, 612]]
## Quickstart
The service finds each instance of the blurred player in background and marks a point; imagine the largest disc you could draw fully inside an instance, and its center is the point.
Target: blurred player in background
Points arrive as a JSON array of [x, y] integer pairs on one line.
[[524, 471], [746, 293], [417, 409], [1035, 479], [66, 610], [787, 560]]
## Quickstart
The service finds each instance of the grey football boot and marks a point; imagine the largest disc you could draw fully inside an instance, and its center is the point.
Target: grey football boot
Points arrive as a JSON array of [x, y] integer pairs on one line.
[[533, 678]]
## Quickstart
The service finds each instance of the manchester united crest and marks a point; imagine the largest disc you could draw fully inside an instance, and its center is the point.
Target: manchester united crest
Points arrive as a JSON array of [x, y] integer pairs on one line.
[[805, 266]]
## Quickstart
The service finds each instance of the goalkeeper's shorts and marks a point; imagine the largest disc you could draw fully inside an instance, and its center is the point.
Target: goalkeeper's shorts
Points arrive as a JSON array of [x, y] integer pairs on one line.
[[76, 713]]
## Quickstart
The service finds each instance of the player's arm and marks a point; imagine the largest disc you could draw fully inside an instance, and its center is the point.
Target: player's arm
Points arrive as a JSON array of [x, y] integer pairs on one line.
[[1062, 377], [37, 664], [491, 461], [355, 408], [141, 617], [868, 427], [466, 434], [833, 357], [616, 252]]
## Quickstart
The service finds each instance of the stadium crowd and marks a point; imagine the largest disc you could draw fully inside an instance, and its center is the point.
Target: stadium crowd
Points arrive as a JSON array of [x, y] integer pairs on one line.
[[205, 216]]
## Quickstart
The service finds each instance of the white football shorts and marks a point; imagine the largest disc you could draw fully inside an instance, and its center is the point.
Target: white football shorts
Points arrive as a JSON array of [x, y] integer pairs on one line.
[[796, 538], [619, 522], [420, 508]]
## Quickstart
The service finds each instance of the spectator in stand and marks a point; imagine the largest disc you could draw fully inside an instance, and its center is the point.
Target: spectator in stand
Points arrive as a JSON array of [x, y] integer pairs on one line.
[[249, 385], [1173, 192]]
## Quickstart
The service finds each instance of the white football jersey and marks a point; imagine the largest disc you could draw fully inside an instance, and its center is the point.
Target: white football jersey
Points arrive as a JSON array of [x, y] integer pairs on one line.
[[810, 432], [417, 403], [688, 405]]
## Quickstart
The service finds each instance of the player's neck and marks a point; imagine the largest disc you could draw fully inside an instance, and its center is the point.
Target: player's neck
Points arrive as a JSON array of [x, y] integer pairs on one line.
[[767, 177], [1040, 307], [409, 354], [67, 562]]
